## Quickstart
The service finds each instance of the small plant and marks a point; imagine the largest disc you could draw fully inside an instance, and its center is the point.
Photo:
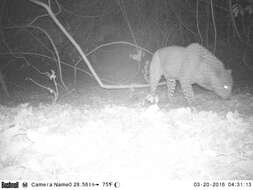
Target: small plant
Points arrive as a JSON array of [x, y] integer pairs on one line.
[[52, 77]]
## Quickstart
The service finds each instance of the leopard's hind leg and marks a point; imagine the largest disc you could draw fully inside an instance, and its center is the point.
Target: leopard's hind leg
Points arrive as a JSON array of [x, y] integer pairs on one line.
[[188, 91], [171, 85]]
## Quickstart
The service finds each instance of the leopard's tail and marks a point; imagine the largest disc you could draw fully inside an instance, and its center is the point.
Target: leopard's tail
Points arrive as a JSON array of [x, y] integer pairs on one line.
[[155, 72]]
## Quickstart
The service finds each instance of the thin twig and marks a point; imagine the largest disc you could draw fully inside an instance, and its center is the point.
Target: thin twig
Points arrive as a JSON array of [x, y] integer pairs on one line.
[[214, 26], [233, 20], [197, 21], [118, 42], [125, 16], [178, 17]]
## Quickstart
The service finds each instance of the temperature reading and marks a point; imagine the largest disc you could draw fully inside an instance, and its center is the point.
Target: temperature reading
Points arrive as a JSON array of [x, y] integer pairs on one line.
[[107, 184]]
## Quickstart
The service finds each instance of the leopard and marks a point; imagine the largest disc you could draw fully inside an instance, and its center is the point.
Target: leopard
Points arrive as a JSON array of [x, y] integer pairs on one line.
[[193, 64]]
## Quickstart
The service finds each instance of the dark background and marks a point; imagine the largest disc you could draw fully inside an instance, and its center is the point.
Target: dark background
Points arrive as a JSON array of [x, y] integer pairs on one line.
[[223, 26]]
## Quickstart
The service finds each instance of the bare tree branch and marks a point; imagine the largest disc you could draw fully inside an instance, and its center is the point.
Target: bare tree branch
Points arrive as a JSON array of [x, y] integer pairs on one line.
[[80, 51]]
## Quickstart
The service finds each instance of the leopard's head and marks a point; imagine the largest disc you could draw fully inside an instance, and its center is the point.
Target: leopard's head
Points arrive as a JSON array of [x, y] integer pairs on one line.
[[223, 83]]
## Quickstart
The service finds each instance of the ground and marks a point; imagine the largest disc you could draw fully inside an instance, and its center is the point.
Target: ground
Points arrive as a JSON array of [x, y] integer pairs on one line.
[[97, 136]]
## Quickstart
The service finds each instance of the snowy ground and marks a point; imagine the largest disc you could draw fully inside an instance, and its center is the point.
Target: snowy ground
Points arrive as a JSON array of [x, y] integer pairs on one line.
[[119, 142]]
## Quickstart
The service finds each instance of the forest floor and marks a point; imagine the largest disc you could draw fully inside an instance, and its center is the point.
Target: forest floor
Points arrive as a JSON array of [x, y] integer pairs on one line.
[[100, 137]]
